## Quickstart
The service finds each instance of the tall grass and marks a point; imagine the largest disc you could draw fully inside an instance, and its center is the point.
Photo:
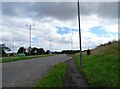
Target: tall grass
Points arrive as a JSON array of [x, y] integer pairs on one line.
[[54, 78], [9, 59], [101, 67]]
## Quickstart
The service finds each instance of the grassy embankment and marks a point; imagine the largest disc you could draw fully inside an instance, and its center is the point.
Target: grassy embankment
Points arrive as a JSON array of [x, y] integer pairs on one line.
[[53, 78], [9, 59], [102, 66]]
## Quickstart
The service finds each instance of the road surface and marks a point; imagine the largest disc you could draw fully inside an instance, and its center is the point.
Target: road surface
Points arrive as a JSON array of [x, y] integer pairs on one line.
[[26, 73]]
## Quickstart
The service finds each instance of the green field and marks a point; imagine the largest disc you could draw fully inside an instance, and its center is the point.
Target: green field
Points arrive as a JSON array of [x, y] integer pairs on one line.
[[102, 66], [54, 78], [9, 59]]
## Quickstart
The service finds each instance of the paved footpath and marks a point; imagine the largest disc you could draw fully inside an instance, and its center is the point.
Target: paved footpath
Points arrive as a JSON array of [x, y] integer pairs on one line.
[[73, 77]]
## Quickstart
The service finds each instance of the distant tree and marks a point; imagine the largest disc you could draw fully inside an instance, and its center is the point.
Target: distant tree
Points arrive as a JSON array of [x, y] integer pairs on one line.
[[3, 49], [34, 51], [47, 52], [41, 51], [11, 54], [21, 50], [55, 52], [69, 51], [37, 51], [28, 51]]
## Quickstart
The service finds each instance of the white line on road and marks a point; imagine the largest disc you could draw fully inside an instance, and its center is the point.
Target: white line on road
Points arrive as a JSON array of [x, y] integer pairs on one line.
[[12, 84], [66, 59]]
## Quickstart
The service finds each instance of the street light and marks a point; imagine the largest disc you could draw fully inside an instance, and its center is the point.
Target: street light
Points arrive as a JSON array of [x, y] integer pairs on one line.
[[81, 63], [71, 41], [13, 44], [30, 37], [50, 44]]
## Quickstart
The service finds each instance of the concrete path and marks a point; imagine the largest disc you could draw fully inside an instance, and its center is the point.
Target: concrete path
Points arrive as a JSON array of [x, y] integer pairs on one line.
[[73, 77], [26, 73]]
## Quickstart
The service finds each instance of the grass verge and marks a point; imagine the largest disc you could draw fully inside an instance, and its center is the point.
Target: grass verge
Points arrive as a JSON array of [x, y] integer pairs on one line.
[[101, 71], [101, 67], [54, 78], [9, 59]]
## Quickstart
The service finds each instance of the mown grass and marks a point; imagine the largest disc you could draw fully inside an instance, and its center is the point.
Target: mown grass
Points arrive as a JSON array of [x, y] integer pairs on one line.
[[9, 59], [101, 68], [54, 78]]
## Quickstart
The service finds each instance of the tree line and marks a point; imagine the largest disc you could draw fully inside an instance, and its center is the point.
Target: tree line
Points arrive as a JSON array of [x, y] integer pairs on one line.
[[27, 51], [32, 51]]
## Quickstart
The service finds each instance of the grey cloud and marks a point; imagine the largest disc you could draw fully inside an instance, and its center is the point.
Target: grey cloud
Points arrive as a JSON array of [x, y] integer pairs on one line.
[[102, 9], [109, 10], [14, 8], [60, 10]]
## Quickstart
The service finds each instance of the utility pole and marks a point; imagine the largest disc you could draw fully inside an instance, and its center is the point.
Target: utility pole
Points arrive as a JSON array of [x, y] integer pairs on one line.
[[50, 45], [81, 62], [13, 45], [30, 37], [71, 41]]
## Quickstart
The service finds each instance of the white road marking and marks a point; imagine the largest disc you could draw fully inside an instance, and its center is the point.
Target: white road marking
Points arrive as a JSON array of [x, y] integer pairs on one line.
[[12, 84], [66, 59]]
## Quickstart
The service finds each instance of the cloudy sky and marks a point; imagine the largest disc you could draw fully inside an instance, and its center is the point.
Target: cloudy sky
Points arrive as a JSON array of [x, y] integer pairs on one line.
[[56, 24]]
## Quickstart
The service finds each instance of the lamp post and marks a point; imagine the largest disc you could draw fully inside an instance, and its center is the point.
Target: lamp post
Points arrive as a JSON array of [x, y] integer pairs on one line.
[[71, 41], [50, 45], [81, 62], [13, 45], [30, 38]]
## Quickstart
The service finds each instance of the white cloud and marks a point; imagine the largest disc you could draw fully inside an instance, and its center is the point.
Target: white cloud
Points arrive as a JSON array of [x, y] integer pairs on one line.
[[46, 31], [111, 28]]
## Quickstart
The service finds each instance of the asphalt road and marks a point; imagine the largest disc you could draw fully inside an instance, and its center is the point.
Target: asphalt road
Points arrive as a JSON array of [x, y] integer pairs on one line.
[[26, 73]]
